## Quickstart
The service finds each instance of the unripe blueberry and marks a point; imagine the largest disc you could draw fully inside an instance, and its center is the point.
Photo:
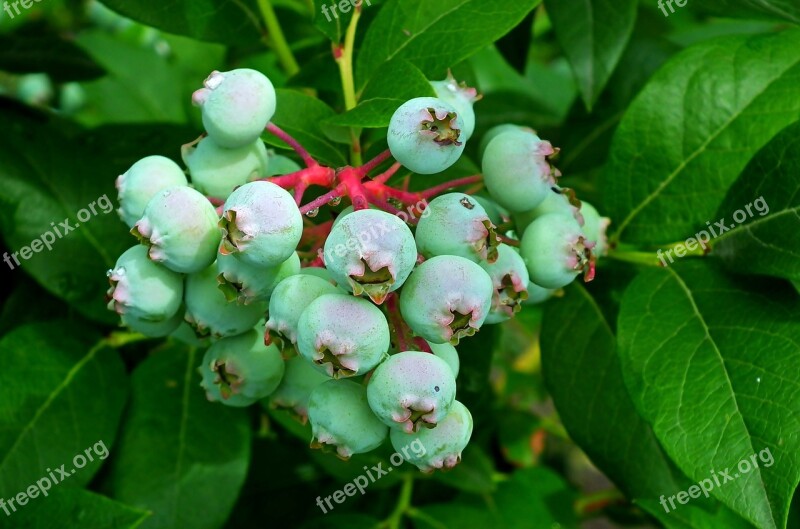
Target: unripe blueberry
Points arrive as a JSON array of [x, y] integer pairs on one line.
[[153, 329], [236, 106], [446, 298], [516, 170], [456, 224], [320, 272], [595, 228], [340, 417], [288, 301], [425, 135], [246, 283], [35, 89], [180, 227], [370, 252], [510, 278], [281, 165], [143, 289], [345, 336], [144, 180], [442, 445], [184, 333], [241, 370], [448, 353], [497, 130], [211, 314], [412, 390], [217, 171], [460, 97], [261, 224], [555, 251], [299, 380], [559, 200]]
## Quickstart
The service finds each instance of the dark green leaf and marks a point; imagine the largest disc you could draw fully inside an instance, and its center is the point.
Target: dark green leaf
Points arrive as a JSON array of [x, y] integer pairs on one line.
[[769, 9], [453, 516], [710, 365], [62, 392], [213, 20], [179, 456], [767, 198], [371, 113], [536, 494], [75, 508], [593, 35], [301, 116], [692, 130], [473, 474], [398, 79], [435, 35], [41, 191], [583, 372], [45, 52], [332, 21]]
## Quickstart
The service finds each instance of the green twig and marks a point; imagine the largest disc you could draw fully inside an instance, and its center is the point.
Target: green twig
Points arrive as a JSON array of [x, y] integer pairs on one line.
[[277, 39], [344, 59], [403, 504]]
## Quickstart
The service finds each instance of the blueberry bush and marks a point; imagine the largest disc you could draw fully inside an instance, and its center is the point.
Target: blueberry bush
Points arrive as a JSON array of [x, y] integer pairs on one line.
[[392, 264]]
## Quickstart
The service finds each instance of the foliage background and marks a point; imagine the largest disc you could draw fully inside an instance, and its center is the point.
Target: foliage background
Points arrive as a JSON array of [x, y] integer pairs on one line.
[[654, 375]]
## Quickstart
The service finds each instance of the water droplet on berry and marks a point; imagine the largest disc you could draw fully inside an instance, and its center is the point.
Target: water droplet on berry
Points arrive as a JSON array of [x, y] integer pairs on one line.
[[312, 213], [335, 201], [109, 272]]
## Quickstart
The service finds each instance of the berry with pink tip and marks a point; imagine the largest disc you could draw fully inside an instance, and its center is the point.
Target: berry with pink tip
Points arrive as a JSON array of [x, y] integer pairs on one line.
[[179, 226], [517, 170], [261, 224], [510, 278], [461, 97], [370, 252], [143, 289], [556, 251], [412, 390], [425, 135], [139, 184], [246, 284], [343, 335], [442, 445], [341, 418], [236, 106], [446, 298]]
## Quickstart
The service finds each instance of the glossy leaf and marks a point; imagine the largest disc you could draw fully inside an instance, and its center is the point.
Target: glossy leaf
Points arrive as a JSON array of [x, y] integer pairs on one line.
[[709, 363], [179, 456], [693, 129]]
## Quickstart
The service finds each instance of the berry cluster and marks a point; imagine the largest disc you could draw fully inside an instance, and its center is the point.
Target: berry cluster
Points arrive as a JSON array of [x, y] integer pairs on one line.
[[350, 323]]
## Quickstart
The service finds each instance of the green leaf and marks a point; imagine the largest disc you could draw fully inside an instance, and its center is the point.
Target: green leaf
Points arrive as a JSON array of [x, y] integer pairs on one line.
[[583, 372], [75, 508], [141, 86], [332, 21], [769, 9], [301, 116], [58, 382], [593, 35], [212, 20], [394, 83], [42, 191], [692, 130], [179, 456], [768, 242], [369, 114], [452, 516], [41, 51], [710, 364], [435, 35], [398, 79], [536, 494]]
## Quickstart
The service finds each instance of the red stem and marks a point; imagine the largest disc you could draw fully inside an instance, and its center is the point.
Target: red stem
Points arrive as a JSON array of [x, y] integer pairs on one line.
[[365, 169], [336, 192], [433, 191], [293, 143], [386, 175], [397, 322]]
